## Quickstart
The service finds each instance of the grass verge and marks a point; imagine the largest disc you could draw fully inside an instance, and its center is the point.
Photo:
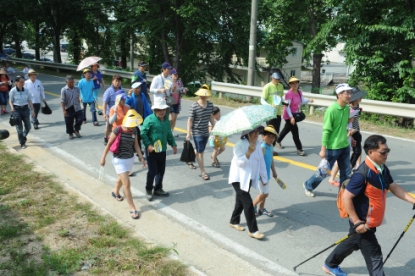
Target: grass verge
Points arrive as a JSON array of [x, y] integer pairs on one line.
[[44, 230]]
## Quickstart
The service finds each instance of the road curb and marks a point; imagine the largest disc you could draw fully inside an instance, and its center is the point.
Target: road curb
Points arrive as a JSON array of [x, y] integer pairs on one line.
[[203, 256]]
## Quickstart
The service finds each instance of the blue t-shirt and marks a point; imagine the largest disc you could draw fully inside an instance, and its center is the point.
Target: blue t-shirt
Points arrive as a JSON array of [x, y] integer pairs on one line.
[[86, 88], [97, 82], [267, 150]]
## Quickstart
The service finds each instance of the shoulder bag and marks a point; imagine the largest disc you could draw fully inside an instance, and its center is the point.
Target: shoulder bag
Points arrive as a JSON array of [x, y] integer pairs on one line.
[[299, 116], [13, 119], [116, 144]]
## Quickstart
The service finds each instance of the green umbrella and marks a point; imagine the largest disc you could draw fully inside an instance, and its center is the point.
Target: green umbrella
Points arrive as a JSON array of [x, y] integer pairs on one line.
[[243, 118]]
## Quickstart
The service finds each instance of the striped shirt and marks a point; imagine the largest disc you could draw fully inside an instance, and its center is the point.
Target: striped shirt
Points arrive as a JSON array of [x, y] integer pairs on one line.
[[201, 118], [126, 149], [356, 117]]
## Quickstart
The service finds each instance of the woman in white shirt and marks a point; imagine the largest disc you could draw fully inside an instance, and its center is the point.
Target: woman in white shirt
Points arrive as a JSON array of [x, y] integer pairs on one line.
[[35, 88], [247, 169]]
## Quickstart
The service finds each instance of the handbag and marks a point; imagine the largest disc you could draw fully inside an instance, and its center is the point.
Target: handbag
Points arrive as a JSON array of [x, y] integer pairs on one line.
[[188, 153], [13, 119], [167, 85], [116, 144], [299, 116], [46, 109]]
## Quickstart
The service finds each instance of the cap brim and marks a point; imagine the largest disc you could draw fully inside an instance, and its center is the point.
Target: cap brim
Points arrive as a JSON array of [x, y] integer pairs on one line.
[[160, 107], [357, 95]]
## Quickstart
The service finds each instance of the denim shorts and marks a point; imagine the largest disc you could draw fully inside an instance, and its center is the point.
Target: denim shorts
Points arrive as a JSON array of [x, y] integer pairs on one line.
[[200, 143], [175, 108], [4, 98]]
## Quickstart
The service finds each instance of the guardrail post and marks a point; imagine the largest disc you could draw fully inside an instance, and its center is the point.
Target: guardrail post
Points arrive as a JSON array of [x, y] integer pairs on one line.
[[57, 70], [220, 95], [248, 98], [311, 109]]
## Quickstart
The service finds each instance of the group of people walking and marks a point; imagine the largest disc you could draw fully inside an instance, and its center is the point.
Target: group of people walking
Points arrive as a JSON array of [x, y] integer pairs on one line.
[[136, 125]]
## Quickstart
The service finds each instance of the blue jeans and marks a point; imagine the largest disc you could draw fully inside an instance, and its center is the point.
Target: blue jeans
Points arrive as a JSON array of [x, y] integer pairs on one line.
[[23, 116], [342, 156], [92, 109]]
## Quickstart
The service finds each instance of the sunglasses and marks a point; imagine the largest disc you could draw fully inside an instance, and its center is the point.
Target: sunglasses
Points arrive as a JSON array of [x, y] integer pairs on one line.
[[384, 152]]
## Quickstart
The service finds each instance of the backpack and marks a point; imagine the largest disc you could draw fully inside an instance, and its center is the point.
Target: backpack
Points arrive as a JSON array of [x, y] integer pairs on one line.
[[363, 170]]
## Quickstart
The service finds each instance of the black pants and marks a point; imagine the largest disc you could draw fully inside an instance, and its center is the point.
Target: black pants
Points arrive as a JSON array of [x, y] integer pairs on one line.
[[276, 122], [357, 150], [71, 118], [294, 131], [36, 108], [368, 245], [156, 163], [243, 202]]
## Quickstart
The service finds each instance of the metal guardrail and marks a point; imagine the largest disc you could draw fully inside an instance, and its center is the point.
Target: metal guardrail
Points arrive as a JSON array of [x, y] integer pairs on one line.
[[370, 106], [71, 67]]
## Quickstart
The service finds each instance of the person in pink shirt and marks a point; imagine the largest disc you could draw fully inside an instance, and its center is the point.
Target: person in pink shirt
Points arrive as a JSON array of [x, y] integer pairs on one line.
[[295, 99]]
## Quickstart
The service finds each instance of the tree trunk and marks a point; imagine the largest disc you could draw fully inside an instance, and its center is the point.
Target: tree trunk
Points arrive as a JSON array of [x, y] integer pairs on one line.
[[178, 37], [37, 50], [123, 45], [315, 86], [57, 49], [16, 40], [163, 37]]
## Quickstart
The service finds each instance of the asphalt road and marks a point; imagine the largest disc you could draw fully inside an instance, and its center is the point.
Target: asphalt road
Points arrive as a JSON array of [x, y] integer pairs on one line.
[[301, 226]]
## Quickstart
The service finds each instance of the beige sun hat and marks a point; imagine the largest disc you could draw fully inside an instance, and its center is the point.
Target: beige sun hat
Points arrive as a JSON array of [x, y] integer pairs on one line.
[[32, 72]]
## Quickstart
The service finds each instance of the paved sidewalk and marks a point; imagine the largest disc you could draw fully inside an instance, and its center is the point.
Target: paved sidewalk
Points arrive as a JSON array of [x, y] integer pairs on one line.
[[203, 256]]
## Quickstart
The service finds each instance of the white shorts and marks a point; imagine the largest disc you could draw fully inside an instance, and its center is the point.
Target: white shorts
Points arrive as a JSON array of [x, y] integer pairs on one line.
[[263, 189], [123, 165]]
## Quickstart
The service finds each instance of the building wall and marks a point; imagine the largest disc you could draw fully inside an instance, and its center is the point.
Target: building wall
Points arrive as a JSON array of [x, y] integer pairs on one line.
[[336, 55]]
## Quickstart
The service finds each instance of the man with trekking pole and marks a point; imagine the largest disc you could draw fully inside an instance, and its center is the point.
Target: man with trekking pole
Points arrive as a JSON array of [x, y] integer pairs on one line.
[[364, 200]]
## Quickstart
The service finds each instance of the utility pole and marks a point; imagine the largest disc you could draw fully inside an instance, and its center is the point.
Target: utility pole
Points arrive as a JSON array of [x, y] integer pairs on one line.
[[252, 43]]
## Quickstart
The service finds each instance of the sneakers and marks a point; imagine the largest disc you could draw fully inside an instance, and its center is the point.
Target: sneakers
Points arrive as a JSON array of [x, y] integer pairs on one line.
[[307, 192], [35, 126], [237, 227], [149, 195], [334, 271], [279, 145], [161, 192], [257, 235], [24, 146], [274, 153], [84, 121], [265, 212], [300, 152], [77, 134], [105, 141]]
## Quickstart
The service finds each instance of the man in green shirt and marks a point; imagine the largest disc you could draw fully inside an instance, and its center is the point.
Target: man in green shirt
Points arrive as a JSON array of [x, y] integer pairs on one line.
[[156, 134], [334, 143], [270, 90]]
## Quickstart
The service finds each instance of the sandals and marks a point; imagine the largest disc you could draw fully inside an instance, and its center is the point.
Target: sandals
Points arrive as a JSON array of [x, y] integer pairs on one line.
[[117, 197], [205, 176], [134, 214], [191, 166], [215, 164]]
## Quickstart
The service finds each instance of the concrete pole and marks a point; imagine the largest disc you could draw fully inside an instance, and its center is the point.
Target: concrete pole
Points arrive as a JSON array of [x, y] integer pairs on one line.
[[252, 45]]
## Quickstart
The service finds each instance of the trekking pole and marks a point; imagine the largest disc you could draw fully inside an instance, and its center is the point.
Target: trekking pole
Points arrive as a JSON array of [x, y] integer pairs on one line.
[[336, 243], [403, 233]]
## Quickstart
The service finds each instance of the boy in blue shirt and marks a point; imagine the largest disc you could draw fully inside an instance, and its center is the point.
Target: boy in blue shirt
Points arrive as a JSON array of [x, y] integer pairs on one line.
[[86, 86], [268, 136]]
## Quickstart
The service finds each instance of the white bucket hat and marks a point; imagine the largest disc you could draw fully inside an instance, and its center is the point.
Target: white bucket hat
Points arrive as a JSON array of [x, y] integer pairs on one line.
[[159, 103]]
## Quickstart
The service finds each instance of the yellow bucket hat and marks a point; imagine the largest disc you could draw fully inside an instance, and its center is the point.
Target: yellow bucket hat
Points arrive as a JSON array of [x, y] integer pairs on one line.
[[132, 119], [271, 129]]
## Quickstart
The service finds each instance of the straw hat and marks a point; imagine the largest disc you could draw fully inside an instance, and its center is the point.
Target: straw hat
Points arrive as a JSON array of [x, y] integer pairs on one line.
[[293, 79], [132, 119], [86, 70], [32, 72]]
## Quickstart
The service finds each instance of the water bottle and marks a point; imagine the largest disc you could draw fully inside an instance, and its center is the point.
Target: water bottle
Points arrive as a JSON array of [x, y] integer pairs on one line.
[[282, 184]]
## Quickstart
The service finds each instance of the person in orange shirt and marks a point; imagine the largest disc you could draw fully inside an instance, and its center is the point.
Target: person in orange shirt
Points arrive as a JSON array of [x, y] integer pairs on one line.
[[118, 111]]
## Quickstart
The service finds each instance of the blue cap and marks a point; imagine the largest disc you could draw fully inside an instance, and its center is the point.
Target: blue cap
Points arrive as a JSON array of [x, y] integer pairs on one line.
[[174, 71], [166, 65]]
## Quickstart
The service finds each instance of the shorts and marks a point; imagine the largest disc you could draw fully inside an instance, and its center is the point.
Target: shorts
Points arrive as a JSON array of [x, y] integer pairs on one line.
[[263, 189], [175, 109], [123, 165], [200, 143], [4, 98]]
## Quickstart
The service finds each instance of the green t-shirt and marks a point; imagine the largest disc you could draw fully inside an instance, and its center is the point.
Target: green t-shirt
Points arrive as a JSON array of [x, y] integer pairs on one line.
[[335, 127], [269, 91]]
